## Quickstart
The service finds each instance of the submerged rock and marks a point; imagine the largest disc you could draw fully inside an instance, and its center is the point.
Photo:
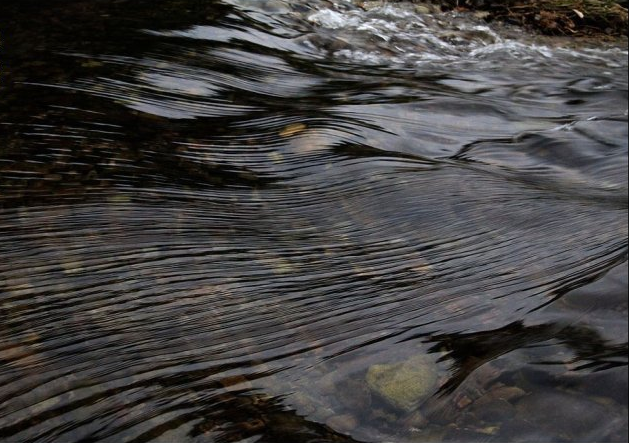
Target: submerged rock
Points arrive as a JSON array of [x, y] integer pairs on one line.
[[564, 416], [342, 423], [406, 384]]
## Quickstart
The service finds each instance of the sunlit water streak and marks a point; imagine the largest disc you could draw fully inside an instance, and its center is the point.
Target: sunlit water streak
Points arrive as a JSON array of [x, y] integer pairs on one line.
[[207, 223]]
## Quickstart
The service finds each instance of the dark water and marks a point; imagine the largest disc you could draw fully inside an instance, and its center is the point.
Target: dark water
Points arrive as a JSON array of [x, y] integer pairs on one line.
[[219, 219]]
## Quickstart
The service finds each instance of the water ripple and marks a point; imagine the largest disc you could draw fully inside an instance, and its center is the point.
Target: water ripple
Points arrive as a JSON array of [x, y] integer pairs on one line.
[[225, 216]]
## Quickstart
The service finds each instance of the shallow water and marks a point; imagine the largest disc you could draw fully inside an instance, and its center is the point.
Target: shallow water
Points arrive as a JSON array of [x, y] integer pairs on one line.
[[220, 219]]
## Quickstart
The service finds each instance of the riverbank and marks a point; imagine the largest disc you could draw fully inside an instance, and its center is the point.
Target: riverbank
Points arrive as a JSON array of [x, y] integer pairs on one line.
[[581, 18]]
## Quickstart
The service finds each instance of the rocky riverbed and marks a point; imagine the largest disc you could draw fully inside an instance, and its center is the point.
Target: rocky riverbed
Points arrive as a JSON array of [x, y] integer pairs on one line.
[[601, 18], [285, 221]]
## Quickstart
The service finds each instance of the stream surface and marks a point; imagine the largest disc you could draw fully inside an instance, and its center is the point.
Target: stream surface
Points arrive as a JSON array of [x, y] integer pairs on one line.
[[221, 221]]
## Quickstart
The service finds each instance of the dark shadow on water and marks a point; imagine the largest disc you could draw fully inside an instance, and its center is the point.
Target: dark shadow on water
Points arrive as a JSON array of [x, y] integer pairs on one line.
[[470, 351]]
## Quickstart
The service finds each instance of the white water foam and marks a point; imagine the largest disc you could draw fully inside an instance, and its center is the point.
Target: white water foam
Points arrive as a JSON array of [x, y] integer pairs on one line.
[[395, 34]]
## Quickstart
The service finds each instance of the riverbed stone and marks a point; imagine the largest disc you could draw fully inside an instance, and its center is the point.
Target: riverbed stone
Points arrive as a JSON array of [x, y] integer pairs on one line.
[[495, 411], [414, 420], [342, 423], [423, 9], [507, 393], [563, 415], [369, 5], [404, 385], [354, 394]]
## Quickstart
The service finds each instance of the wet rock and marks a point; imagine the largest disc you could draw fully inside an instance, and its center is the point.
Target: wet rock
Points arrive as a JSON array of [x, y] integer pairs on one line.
[[562, 415], [426, 435], [611, 383], [414, 420], [447, 409], [482, 377], [525, 432], [427, 8], [508, 393], [327, 384], [342, 423], [310, 141], [455, 434], [274, 6], [369, 5], [322, 414], [404, 385], [493, 411], [354, 394], [482, 14], [614, 287], [496, 405], [463, 401], [292, 129], [383, 416], [303, 404], [422, 9], [418, 8], [235, 383]]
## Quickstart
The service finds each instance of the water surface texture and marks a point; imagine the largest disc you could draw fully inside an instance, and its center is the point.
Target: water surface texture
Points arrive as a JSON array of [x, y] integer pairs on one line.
[[283, 221]]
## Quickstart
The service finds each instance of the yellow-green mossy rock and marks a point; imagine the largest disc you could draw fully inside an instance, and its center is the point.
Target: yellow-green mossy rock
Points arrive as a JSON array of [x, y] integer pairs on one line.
[[404, 385]]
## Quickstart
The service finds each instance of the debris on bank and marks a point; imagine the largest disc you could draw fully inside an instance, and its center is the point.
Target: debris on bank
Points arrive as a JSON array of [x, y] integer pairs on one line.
[[553, 17]]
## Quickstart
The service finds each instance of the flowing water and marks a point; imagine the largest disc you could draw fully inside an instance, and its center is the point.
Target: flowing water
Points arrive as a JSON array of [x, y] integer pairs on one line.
[[286, 221]]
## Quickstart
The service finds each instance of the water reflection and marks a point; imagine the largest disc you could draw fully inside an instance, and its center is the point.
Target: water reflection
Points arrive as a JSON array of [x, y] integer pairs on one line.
[[219, 224]]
